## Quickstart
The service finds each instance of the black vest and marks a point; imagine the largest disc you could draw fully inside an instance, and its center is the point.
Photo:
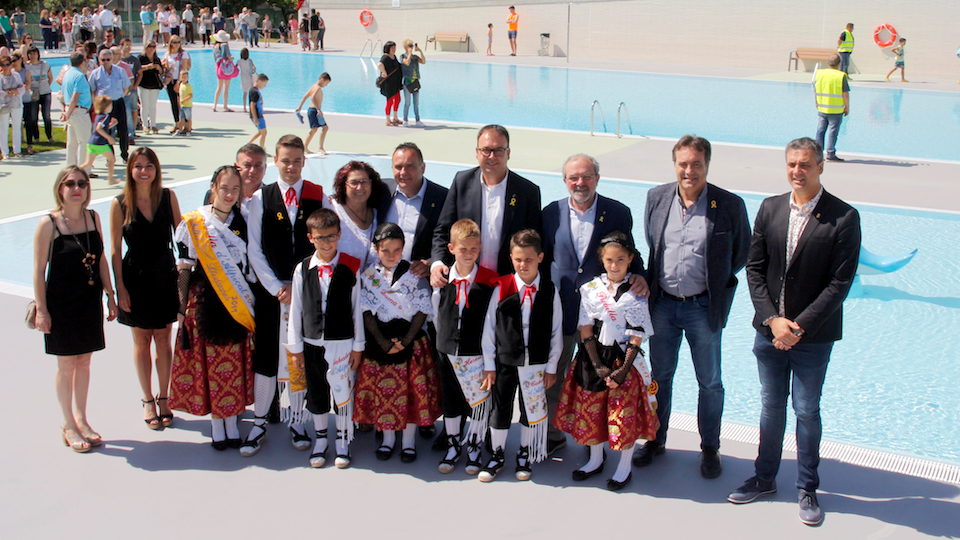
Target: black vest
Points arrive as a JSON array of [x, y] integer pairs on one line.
[[509, 328], [284, 245], [458, 336], [338, 322]]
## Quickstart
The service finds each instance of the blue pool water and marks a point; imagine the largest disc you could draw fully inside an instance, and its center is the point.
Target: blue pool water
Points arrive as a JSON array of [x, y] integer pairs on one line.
[[890, 122], [892, 380]]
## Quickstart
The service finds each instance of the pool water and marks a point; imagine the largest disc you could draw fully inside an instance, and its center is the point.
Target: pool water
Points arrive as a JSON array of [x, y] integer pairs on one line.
[[892, 380]]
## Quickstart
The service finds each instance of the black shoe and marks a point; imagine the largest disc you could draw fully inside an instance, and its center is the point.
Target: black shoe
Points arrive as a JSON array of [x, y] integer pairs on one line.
[[835, 158], [710, 465], [428, 431], [234, 443], [523, 471], [493, 468], [553, 446], [448, 462], [441, 443], [751, 489], [385, 452], [219, 446], [580, 476], [364, 428], [408, 455], [643, 455], [252, 446], [613, 485]]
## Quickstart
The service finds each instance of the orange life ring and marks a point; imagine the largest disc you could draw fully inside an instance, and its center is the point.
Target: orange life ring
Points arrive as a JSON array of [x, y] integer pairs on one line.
[[889, 42], [366, 17]]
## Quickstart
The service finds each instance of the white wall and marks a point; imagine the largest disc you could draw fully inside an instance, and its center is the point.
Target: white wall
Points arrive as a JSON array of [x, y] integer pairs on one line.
[[745, 33]]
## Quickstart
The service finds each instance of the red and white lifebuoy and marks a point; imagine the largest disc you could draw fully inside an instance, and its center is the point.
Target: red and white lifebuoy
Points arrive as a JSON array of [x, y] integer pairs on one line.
[[893, 35], [366, 17]]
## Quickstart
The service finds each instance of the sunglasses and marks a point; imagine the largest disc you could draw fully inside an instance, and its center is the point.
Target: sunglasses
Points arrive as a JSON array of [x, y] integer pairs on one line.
[[82, 184]]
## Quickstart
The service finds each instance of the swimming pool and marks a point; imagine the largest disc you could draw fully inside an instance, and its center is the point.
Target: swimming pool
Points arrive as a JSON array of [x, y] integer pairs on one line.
[[890, 122], [891, 381]]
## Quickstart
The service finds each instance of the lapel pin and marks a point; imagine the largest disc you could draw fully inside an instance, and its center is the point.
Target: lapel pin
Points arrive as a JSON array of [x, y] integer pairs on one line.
[[713, 204], [513, 200], [279, 216], [818, 215]]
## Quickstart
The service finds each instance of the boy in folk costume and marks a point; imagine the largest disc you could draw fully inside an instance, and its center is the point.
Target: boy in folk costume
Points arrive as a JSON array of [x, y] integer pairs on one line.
[[461, 308], [278, 242], [523, 338], [397, 384], [608, 395], [325, 333]]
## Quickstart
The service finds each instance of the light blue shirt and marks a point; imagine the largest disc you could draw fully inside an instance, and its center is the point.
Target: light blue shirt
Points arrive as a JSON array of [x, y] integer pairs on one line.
[[74, 81], [146, 17], [405, 212], [684, 271], [581, 227], [110, 84]]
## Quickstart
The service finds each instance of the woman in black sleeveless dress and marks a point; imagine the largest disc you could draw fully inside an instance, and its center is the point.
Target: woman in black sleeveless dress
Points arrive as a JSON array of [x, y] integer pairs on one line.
[[144, 217], [70, 298], [392, 82]]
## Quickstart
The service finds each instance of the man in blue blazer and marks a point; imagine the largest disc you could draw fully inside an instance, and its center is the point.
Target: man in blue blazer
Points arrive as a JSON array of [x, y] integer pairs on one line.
[[573, 228], [699, 237]]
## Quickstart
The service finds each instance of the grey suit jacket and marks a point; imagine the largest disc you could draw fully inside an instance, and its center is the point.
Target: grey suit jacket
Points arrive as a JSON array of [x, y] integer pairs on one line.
[[728, 244]]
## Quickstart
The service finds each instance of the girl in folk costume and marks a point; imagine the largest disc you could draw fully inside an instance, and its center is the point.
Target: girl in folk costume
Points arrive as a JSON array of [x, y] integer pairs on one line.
[[608, 395], [397, 384], [213, 362]]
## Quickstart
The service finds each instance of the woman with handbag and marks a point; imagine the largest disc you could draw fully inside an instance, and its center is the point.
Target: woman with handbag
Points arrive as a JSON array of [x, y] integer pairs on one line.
[[226, 69], [410, 68], [69, 298], [390, 81], [40, 77], [175, 60]]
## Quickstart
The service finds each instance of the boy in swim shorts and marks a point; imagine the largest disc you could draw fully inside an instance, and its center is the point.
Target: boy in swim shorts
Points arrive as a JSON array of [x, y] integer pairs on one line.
[[256, 109], [899, 63], [315, 113], [101, 140]]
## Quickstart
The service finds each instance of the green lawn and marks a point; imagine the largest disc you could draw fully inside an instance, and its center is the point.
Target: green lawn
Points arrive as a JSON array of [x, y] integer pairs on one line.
[[59, 140]]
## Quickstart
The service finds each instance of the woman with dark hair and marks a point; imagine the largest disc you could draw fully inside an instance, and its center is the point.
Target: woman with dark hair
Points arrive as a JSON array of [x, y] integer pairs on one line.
[[390, 81], [357, 187], [151, 81], [144, 216], [213, 364], [68, 281], [38, 92]]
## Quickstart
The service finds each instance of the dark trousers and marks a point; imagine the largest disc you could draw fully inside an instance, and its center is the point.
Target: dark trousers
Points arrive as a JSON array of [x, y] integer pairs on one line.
[[452, 401], [320, 37], [31, 119], [266, 338], [315, 372], [504, 395], [188, 32], [174, 100], [845, 62], [85, 35], [120, 113], [803, 369]]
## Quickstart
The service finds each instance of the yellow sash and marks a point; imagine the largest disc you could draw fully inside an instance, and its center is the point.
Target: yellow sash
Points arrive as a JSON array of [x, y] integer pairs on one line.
[[219, 279]]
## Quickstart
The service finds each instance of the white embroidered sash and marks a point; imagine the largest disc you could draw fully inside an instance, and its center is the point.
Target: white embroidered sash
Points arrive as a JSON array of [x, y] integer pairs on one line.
[[533, 393]]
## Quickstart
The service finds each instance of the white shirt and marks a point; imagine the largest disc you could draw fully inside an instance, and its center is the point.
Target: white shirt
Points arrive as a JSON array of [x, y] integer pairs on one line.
[[106, 18], [581, 227], [355, 241], [488, 340], [454, 275], [295, 337], [491, 221], [405, 212], [187, 15]]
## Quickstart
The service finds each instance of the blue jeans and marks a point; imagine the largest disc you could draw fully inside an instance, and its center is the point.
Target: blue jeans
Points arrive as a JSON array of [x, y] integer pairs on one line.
[[829, 125], [129, 102], [671, 320], [407, 95], [845, 62], [808, 364]]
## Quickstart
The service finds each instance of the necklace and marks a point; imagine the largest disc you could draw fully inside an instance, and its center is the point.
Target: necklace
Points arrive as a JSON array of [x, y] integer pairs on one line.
[[363, 220], [89, 259], [225, 213]]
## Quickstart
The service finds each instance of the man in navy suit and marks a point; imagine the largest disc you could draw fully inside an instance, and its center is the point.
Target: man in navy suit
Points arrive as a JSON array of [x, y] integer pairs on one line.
[[699, 236], [573, 228], [803, 258]]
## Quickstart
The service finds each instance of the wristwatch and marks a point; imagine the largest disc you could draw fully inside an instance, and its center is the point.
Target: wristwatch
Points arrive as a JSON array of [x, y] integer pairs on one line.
[[797, 333]]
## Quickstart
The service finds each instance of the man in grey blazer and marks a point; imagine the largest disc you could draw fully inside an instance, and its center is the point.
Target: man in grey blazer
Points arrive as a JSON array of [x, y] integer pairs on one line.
[[699, 238]]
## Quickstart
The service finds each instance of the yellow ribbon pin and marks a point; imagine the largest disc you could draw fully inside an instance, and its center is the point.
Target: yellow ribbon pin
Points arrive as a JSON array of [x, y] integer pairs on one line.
[[513, 201], [713, 204], [279, 216], [818, 215]]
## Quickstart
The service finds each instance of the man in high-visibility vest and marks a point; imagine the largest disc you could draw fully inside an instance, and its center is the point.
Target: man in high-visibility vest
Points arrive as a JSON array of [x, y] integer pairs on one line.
[[833, 103], [845, 48]]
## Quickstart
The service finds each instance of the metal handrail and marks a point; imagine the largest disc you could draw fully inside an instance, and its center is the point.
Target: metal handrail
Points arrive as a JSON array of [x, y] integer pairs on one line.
[[596, 103], [368, 42], [378, 42], [626, 112]]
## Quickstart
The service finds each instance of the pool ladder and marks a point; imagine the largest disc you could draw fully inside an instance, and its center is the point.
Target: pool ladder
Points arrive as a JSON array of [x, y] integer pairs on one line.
[[622, 107], [373, 46]]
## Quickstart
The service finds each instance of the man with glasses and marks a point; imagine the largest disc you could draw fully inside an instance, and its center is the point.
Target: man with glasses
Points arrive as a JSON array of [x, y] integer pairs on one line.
[[113, 82], [573, 227]]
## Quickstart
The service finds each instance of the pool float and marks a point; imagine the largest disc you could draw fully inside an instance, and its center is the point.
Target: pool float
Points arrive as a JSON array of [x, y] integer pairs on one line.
[[366, 17], [873, 264], [889, 42]]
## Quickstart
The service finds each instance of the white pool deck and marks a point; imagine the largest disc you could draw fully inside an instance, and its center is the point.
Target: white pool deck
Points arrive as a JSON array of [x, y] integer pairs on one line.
[[149, 484]]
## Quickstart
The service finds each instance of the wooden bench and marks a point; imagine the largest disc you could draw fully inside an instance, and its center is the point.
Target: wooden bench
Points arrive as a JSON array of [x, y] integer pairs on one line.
[[811, 54], [459, 37]]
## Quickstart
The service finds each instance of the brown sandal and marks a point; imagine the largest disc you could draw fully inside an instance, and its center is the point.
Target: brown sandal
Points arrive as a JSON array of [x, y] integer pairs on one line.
[[153, 422]]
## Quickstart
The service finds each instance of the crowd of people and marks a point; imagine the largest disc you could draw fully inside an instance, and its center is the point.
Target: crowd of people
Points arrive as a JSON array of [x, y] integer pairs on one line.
[[391, 302]]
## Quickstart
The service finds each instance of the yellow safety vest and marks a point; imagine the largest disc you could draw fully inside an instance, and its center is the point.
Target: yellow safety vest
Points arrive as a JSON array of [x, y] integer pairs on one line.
[[829, 89], [847, 44]]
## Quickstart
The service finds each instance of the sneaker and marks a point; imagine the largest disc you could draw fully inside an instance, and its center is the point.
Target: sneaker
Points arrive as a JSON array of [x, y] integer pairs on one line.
[[553, 446], [751, 489], [643, 455], [810, 512], [523, 471], [419, 124], [494, 466], [406, 123]]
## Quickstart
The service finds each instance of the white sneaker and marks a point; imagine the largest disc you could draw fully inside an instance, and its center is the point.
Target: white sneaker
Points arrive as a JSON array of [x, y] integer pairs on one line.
[[406, 123], [420, 124]]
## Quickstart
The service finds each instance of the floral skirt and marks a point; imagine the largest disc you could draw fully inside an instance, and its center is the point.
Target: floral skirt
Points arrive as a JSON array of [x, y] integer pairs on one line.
[[210, 379], [392, 396], [619, 415]]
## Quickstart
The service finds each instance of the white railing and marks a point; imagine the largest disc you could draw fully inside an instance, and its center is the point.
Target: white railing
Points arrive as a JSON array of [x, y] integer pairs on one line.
[[623, 106], [596, 104]]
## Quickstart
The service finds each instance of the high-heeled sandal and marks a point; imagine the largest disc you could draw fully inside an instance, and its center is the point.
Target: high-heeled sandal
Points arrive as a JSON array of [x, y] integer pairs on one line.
[[165, 419], [91, 436], [153, 422], [80, 447]]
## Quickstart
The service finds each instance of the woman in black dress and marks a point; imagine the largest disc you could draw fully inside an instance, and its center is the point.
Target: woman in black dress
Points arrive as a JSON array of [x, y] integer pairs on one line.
[[145, 216], [70, 298], [392, 80]]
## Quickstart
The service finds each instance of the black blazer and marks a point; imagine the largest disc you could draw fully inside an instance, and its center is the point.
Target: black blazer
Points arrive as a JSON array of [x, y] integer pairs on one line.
[[728, 243], [521, 211], [433, 198], [820, 273], [560, 262]]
